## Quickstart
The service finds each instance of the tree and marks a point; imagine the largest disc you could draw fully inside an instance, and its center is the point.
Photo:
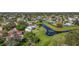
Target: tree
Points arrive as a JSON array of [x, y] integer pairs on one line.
[[9, 26], [76, 22], [20, 27], [39, 23], [59, 24], [29, 19], [63, 18], [31, 38], [1, 19], [72, 38], [11, 42], [1, 41]]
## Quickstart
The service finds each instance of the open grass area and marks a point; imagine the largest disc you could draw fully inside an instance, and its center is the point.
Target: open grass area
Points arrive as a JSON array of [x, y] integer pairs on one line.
[[45, 40], [55, 40]]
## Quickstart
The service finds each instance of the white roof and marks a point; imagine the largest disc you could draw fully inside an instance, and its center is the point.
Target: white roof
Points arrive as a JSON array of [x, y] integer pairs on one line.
[[68, 24], [29, 29]]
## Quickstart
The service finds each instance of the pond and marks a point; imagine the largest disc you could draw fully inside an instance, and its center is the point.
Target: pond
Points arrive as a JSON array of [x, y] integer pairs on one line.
[[50, 31]]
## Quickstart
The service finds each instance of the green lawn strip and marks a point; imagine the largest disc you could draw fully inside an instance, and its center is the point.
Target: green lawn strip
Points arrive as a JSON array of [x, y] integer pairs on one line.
[[63, 28]]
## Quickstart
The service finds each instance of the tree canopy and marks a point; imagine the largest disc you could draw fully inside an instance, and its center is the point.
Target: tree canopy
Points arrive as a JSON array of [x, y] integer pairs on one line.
[[20, 27]]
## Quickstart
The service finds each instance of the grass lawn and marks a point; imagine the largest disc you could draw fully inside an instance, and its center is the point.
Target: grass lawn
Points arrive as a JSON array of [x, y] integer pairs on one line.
[[45, 40], [55, 40]]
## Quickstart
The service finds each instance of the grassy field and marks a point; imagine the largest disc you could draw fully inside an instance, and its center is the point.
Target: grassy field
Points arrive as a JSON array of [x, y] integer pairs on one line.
[[55, 40], [45, 40]]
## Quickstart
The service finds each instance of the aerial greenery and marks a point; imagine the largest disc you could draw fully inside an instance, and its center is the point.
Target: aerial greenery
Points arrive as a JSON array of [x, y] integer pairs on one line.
[[1, 19], [9, 26], [20, 27], [59, 24], [39, 23], [72, 38], [31, 38], [45, 40], [1, 41], [38, 36]]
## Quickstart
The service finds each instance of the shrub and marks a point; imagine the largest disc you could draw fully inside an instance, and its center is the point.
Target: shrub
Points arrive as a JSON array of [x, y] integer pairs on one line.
[[59, 24], [20, 27], [31, 38]]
